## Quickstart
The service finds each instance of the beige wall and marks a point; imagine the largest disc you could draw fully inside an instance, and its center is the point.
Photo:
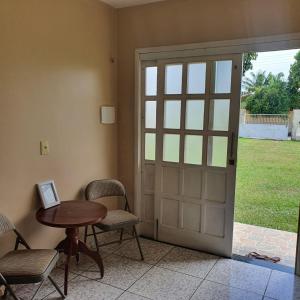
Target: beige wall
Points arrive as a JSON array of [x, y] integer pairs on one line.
[[187, 21], [55, 72]]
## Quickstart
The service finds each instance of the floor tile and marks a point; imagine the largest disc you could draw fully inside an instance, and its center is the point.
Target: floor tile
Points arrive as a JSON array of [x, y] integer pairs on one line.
[[240, 275], [187, 261], [27, 290], [119, 271], [83, 288], [214, 291], [283, 286], [84, 264], [130, 296], [160, 283], [153, 251], [108, 237]]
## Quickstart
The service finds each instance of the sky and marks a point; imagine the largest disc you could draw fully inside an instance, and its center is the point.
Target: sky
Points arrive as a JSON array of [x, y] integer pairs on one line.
[[275, 62]]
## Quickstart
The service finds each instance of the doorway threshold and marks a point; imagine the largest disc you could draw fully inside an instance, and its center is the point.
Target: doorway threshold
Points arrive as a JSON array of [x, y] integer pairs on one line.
[[263, 263], [265, 241]]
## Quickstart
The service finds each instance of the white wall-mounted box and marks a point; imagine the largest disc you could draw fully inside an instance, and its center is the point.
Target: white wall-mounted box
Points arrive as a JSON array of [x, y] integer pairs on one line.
[[107, 114]]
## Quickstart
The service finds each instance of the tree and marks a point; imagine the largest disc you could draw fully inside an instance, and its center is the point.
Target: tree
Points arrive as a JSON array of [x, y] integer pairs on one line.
[[293, 85], [269, 98], [256, 80], [248, 58]]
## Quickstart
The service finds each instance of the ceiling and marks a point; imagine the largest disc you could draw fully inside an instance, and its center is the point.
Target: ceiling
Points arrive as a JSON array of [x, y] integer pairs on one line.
[[126, 3]]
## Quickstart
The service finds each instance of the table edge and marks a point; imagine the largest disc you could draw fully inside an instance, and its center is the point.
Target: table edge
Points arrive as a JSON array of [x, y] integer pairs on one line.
[[60, 225]]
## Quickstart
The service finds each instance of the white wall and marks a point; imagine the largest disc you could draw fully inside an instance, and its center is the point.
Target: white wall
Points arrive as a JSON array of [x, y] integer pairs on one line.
[[264, 131]]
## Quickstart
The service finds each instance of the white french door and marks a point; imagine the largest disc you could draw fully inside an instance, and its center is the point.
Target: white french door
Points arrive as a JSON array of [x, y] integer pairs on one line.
[[189, 121]]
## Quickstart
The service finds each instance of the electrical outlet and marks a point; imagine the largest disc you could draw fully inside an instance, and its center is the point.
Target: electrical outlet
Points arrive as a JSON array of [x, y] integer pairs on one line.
[[44, 147]]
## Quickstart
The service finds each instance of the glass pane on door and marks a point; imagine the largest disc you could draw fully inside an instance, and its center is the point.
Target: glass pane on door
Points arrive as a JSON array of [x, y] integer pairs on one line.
[[194, 115], [150, 143], [222, 70], [196, 78], [217, 151], [150, 114], [171, 147], [193, 149], [219, 114], [173, 79], [172, 112], [151, 81]]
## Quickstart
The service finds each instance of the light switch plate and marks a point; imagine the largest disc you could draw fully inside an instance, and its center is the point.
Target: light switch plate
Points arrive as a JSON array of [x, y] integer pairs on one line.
[[44, 148]]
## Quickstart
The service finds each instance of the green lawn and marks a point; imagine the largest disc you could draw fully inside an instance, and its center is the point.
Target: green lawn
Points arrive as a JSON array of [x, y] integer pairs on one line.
[[268, 183]]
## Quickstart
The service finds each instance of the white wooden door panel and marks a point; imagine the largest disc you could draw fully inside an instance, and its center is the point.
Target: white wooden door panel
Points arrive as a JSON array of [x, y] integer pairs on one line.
[[191, 184], [190, 126], [149, 178], [215, 186], [214, 220], [149, 207], [191, 216], [170, 183], [169, 212]]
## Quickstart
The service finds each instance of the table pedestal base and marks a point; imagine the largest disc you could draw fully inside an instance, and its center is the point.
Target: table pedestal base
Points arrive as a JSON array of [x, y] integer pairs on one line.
[[72, 246]]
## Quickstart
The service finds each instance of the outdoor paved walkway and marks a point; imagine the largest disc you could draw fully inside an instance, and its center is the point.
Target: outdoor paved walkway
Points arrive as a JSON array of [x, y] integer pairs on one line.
[[266, 241]]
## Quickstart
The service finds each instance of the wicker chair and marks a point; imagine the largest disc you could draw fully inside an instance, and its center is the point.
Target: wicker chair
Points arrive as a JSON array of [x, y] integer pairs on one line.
[[115, 219], [27, 265]]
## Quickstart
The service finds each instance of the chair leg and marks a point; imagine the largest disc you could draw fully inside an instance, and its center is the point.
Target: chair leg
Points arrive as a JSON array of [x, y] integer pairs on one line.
[[121, 235], [85, 233], [77, 258], [138, 242], [8, 290], [57, 287], [37, 290], [95, 238], [85, 239], [5, 292]]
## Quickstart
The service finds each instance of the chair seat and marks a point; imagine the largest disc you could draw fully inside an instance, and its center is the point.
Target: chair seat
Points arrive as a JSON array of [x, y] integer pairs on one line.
[[117, 219], [32, 264]]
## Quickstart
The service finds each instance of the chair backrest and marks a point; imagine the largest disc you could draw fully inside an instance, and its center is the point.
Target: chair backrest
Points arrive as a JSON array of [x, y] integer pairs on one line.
[[5, 225], [104, 188]]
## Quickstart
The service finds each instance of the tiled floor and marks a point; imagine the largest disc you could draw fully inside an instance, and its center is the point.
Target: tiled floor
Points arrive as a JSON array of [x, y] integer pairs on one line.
[[169, 272], [266, 241]]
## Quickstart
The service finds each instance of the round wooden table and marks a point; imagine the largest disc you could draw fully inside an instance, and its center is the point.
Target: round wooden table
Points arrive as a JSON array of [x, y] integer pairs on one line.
[[72, 215]]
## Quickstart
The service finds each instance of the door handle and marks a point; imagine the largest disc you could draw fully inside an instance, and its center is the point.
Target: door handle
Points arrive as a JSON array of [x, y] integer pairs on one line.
[[231, 160]]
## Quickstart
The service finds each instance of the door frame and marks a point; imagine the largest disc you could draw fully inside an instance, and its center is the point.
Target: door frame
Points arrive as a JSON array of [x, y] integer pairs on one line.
[[237, 46]]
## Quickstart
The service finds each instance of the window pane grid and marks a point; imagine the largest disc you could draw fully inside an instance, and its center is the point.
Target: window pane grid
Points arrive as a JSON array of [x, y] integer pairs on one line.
[[192, 112]]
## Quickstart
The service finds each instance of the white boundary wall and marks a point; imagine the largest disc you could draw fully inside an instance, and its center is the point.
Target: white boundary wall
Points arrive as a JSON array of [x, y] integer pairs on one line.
[[264, 131]]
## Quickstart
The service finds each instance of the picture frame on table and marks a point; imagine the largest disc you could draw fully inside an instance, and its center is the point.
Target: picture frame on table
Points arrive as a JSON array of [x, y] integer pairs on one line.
[[48, 194]]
